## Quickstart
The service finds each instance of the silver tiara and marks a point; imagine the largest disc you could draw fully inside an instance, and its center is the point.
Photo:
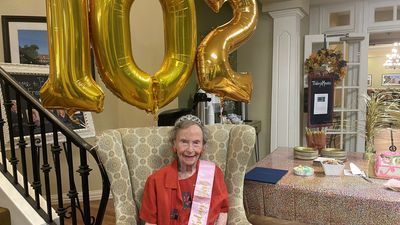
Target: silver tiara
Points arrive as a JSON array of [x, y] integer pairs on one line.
[[188, 117]]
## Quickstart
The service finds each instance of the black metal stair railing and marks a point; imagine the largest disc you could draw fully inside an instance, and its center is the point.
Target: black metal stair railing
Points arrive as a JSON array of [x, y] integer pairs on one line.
[[26, 147]]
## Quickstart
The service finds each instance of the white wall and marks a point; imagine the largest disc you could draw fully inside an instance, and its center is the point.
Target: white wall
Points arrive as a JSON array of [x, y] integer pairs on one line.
[[255, 56]]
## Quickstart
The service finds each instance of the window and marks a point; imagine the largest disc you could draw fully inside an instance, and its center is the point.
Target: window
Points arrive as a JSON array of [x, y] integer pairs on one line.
[[398, 12], [339, 19], [383, 14]]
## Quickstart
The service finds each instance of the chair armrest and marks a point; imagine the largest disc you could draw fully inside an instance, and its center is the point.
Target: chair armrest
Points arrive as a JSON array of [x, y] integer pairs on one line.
[[241, 144]]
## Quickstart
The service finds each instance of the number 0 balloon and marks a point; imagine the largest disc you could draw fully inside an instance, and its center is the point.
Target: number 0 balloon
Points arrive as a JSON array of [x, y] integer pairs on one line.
[[214, 72], [111, 38]]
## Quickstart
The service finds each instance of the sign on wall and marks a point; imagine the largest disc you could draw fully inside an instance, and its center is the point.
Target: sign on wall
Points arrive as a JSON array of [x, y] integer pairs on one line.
[[320, 100]]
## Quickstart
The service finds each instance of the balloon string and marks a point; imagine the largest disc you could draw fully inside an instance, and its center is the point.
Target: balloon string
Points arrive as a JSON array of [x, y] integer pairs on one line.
[[155, 89]]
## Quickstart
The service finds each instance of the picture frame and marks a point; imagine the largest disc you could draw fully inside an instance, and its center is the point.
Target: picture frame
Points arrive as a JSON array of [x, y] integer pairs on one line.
[[19, 31], [390, 79], [25, 40], [32, 78], [369, 80]]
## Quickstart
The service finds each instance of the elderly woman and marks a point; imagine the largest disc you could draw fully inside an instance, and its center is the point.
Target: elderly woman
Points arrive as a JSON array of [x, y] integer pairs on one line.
[[189, 190]]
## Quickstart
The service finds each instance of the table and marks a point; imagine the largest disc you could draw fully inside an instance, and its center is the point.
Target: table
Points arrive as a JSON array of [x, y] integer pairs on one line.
[[321, 199]]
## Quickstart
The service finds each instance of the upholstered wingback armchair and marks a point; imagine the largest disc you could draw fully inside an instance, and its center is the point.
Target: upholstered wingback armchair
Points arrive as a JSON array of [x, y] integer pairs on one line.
[[130, 155]]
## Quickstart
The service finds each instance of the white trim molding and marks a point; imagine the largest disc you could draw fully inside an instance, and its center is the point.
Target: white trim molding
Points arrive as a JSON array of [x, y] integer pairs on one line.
[[279, 5], [287, 13]]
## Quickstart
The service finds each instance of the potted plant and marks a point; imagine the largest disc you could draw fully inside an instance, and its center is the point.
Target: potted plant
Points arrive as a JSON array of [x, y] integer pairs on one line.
[[383, 111]]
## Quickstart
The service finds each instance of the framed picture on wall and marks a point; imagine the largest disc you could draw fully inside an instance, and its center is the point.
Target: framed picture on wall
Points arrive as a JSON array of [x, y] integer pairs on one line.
[[32, 78], [25, 40], [369, 80], [391, 79]]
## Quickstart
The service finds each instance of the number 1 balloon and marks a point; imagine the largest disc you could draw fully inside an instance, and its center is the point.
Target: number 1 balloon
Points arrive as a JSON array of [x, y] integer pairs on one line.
[[70, 84]]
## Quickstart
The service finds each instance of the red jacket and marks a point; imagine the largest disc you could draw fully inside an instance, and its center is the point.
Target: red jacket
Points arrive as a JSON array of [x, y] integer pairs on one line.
[[162, 186]]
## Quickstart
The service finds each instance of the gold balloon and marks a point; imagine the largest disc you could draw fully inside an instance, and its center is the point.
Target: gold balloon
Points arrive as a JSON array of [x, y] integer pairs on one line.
[[70, 84], [111, 37], [214, 73]]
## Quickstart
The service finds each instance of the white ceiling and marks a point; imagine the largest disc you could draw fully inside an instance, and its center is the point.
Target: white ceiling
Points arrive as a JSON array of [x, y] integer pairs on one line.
[[384, 38], [381, 44]]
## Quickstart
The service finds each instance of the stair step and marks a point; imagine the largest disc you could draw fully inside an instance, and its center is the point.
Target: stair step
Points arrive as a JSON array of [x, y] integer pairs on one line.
[[5, 218]]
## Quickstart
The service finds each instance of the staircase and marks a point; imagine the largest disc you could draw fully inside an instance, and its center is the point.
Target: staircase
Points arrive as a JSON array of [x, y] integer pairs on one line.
[[42, 160], [21, 212]]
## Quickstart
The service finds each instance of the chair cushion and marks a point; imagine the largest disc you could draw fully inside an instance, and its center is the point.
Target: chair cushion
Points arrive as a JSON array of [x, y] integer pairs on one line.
[[146, 150]]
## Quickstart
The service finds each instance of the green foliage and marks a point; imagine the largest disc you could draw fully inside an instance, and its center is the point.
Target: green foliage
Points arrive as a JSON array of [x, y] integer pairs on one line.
[[383, 111], [28, 54]]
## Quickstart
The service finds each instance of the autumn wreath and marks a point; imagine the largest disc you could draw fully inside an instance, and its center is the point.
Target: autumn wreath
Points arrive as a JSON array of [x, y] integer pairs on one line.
[[328, 62]]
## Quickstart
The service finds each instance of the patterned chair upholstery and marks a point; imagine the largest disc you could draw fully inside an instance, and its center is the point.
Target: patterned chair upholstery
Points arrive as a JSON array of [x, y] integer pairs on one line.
[[130, 155]]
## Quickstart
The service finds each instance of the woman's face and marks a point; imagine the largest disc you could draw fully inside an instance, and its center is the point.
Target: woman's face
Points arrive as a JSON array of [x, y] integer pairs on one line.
[[188, 145]]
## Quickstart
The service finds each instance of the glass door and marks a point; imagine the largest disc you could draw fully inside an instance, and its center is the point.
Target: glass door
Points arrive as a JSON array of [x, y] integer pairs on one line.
[[347, 130]]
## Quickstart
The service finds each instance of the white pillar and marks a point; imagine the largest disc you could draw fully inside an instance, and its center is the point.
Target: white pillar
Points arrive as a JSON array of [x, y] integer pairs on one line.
[[286, 78]]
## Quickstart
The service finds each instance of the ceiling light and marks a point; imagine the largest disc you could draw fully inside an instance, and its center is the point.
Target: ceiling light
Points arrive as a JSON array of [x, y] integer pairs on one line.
[[393, 59]]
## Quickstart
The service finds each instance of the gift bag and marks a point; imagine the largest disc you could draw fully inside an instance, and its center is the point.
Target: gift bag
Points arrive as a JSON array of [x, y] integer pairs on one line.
[[387, 165]]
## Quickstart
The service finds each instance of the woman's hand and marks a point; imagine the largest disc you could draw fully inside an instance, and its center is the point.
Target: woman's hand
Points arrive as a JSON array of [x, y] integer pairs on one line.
[[150, 223], [222, 219]]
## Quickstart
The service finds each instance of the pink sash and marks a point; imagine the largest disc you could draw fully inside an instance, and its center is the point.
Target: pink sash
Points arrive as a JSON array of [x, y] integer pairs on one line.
[[202, 193]]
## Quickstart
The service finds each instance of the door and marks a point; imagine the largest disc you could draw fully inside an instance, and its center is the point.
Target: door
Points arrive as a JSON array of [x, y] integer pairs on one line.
[[347, 131]]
